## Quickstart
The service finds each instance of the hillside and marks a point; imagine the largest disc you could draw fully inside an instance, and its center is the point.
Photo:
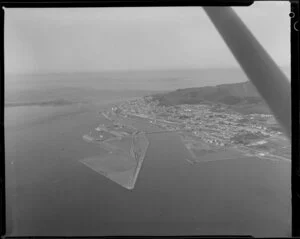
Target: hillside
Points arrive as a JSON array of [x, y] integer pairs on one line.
[[242, 97]]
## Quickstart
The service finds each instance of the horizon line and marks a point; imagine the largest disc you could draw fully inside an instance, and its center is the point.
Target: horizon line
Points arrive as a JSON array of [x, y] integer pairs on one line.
[[131, 70]]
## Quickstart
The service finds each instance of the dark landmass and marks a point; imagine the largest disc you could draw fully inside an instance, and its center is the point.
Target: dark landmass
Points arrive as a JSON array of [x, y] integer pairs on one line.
[[66, 96], [242, 97], [58, 102]]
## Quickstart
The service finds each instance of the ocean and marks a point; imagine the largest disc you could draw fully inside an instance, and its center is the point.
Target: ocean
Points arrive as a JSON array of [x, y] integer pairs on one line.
[[51, 193]]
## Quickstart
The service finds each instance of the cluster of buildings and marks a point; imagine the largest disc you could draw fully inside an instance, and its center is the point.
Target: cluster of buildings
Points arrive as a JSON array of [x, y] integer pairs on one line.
[[214, 124]]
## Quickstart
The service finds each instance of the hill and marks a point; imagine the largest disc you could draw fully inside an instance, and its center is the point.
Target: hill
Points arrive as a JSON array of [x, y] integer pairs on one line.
[[242, 97]]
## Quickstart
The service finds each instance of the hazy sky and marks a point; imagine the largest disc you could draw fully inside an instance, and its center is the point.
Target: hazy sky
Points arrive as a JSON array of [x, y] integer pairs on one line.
[[101, 39]]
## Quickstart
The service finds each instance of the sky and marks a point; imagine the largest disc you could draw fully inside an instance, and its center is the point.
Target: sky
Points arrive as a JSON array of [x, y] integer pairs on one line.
[[59, 40]]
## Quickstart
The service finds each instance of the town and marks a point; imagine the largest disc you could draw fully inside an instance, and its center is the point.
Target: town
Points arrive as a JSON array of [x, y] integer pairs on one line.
[[215, 125]]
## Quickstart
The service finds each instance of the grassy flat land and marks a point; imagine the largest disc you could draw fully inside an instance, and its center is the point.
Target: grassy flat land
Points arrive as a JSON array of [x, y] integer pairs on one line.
[[117, 166]]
